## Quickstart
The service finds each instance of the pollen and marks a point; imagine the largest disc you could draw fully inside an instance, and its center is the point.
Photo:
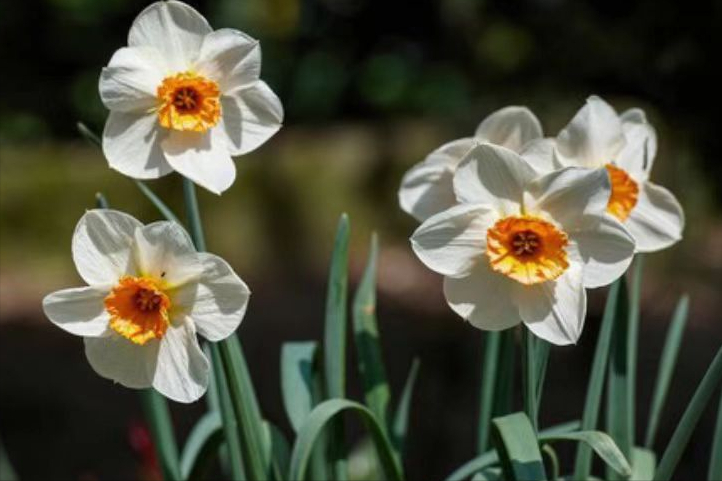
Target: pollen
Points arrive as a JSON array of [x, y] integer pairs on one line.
[[625, 193], [188, 102], [527, 249], [138, 309]]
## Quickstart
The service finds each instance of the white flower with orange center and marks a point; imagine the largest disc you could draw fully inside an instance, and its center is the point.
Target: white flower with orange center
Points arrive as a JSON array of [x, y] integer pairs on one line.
[[625, 146], [149, 293], [184, 97], [519, 247], [427, 188]]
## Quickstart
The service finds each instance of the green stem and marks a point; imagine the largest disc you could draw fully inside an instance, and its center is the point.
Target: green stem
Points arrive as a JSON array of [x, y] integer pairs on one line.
[[492, 341], [194, 214], [161, 428], [529, 376]]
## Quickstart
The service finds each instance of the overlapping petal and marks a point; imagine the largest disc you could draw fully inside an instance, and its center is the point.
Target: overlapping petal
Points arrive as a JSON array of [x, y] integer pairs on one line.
[[607, 249], [637, 156], [130, 81], [511, 127], [165, 251], [114, 357], [182, 370], [657, 221], [231, 58], [79, 311]]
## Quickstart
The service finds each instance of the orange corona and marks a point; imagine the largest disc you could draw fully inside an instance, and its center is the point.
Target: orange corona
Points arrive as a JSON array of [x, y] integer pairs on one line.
[[624, 193], [188, 102], [138, 309], [527, 249]]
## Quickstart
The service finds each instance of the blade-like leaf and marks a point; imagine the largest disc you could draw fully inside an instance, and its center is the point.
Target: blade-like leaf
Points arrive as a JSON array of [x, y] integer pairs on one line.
[[590, 417], [161, 428], [529, 380], [683, 432], [666, 368], [157, 202], [401, 417], [492, 343], [541, 351], [88, 134], [297, 360], [601, 443], [715, 460], [202, 446], [279, 451], [7, 472], [504, 390], [323, 415], [516, 443], [643, 464], [552, 464], [366, 336]]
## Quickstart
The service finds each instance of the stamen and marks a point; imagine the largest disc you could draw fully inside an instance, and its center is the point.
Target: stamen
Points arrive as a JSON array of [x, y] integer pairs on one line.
[[188, 102], [625, 193], [138, 309]]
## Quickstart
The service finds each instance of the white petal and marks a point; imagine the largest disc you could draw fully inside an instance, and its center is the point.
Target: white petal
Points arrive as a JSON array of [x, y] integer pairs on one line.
[[118, 359], [165, 251], [452, 241], [451, 153], [174, 28], [217, 302], [594, 136], [79, 311], [103, 246], [493, 175], [607, 249], [231, 58], [484, 298], [202, 157], [657, 221], [131, 143], [182, 370], [427, 189], [638, 154], [555, 310], [540, 155], [511, 127], [131, 79], [570, 195], [251, 115]]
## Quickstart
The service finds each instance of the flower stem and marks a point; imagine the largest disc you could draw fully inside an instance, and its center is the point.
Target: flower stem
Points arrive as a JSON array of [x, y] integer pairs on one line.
[[161, 428], [529, 380]]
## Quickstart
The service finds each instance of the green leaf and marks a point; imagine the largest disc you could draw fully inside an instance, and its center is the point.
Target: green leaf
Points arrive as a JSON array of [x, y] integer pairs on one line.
[[715, 460], [504, 390], [689, 420], [7, 472], [666, 368], [552, 464], [161, 428], [601, 443], [366, 336], [323, 415], [401, 417], [619, 398], [643, 464], [529, 379], [157, 202], [279, 451], [100, 201], [88, 134], [194, 214], [590, 417], [492, 343], [297, 361], [541, 353], [335, 340], [516, 443], [202, 446]]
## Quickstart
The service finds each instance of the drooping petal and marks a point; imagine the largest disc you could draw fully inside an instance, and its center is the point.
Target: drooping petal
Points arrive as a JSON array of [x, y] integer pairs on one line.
[[427, 189], [118, 359], [231, 58], [594, 136], [202, 157], [511, 127], [182, 371], [453, 241], [483, 297], [164, 250], [79, 311], [570, 195], [541, 156], [174, 28], [607, 249], [493, 175], [657, 220], [217, 302], [103, 246], [131, 79], [131, 143], [251, 115], [637, 156], [555, 310]]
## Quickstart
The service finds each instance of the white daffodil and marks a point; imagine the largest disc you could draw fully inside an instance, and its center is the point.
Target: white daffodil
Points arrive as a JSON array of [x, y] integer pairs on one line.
[[149, 292], [625, 145], [426, 189], [184, 97], [519, 247]]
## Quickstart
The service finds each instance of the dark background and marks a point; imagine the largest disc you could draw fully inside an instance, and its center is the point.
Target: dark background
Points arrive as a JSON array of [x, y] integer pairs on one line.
[[369, 88]]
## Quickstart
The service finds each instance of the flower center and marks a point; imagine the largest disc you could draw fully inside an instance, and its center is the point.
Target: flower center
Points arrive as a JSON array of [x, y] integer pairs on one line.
[[188, 102], [527, 249], [138, 309], [625, 192]]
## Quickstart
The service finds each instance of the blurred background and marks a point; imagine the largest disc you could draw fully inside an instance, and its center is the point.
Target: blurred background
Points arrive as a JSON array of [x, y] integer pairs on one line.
[[369, 89]]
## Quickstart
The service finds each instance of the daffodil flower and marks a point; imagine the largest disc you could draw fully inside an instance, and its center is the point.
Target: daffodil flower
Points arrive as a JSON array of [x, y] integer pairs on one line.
[[149, 293], [625, 146], [519, 247], [426, 189], [186, 98]]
